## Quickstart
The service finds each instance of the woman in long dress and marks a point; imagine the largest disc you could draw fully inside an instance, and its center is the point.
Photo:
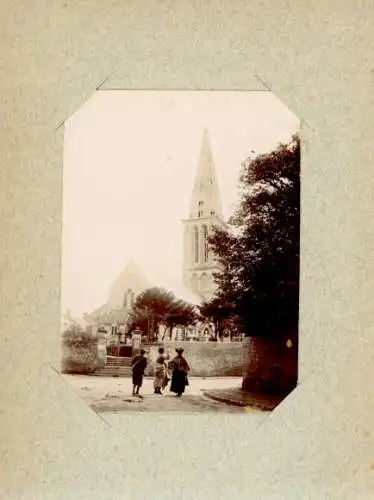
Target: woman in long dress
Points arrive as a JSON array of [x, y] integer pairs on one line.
[[161, 377], [180, 369]]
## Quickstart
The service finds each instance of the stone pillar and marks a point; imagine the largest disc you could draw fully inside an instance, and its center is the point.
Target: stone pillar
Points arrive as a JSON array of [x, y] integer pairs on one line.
[[205, 244], [194, 229], [211, 255], [188, 247], [201, 244]]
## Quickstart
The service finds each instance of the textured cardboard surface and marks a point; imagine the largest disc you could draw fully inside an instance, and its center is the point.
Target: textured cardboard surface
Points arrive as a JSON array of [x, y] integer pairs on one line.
[[317, 58]]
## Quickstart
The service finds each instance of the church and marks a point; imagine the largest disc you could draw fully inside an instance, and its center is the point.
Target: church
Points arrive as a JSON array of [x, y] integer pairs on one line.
[[199, 263]]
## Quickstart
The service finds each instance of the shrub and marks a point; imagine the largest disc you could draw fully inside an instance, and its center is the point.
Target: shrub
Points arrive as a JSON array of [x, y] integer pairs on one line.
[[79, 351]]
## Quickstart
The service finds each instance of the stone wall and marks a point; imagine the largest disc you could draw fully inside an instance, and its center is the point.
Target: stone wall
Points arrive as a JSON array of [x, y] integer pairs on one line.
[[206, 359]]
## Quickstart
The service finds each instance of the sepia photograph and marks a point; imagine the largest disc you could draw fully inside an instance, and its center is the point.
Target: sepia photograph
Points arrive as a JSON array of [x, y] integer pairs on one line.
[[181, 252], [187, 241]]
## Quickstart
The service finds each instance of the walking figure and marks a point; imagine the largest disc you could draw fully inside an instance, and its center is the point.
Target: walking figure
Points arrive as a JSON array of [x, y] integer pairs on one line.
[[161, 377], [180, 369], [138, 364]]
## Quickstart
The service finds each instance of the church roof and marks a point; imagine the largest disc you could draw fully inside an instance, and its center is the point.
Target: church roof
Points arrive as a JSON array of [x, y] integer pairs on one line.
[[109, 315], [143, 278], [98, 312], [131, 275]]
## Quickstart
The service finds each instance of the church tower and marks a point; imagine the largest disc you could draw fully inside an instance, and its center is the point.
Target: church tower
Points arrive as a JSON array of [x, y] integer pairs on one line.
[[199, 263]]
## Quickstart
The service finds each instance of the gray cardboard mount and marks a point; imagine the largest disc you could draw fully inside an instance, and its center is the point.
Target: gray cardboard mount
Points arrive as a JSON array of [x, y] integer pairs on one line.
[[318, 59]]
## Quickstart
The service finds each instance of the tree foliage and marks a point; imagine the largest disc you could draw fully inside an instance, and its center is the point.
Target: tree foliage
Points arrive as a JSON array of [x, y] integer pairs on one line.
[[259, 252], [75, 336], [221, 313], [157, 306]]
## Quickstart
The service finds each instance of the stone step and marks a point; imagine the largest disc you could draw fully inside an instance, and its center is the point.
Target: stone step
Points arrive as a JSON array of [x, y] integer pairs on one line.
[[113, 361], [111, 371], [119, 364]]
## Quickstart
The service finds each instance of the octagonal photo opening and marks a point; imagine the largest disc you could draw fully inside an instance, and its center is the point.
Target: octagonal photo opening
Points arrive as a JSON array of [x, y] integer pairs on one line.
[[180, 252]]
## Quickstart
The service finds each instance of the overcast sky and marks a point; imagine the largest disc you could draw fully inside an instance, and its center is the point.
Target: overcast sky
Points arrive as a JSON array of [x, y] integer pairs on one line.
[[129, 165]]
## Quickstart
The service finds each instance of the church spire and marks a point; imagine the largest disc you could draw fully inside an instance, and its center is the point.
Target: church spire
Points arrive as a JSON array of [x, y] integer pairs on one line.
[[205, 199]]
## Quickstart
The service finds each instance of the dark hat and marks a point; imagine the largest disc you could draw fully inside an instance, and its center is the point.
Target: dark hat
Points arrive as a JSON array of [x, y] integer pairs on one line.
[[179, 350], [142, 351]]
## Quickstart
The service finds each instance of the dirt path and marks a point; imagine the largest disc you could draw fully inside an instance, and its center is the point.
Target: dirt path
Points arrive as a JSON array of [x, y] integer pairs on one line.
[[114, 395]]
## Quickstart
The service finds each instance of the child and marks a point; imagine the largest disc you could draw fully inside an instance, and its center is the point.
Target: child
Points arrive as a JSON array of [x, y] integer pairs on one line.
[[161, 377], [138, 364]]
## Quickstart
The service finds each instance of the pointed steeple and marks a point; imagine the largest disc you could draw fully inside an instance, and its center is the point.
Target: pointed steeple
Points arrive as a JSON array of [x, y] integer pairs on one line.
[[205, 199]]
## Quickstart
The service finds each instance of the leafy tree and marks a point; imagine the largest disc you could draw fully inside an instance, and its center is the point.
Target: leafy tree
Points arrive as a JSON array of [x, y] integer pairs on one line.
[[138, 318], [260, 250], [181, 314], [221, 313], [157, 306]]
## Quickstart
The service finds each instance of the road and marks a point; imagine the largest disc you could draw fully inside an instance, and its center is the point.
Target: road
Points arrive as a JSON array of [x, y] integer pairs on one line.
[[110, 394]]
